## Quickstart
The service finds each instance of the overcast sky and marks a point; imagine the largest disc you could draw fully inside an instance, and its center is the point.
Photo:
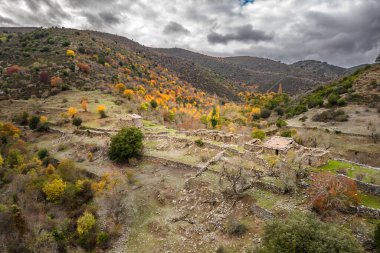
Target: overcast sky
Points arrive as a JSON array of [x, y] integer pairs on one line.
[[341, 32]]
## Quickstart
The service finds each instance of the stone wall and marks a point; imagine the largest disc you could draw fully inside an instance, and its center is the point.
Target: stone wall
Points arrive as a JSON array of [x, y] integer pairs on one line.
[[220, 136], [364, 211], [261, 212], [365, 187]]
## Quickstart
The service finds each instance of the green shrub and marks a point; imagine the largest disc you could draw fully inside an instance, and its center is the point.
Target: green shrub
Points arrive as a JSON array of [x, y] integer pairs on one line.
[[333, 99], [33, 122], [85, 223], [22, 119], [68, 171], [66, 43], [126, 144], [279, 111], [306, 234], [77, 121], [377, 238], [42, 153], [258, 134], [265, 113], [153, 104], [281, 123], [341, 102], [331, 115], [286, 133], [81, 50], [237, 229], [102, 239], [199, 142], [14, 158], [315, 101]]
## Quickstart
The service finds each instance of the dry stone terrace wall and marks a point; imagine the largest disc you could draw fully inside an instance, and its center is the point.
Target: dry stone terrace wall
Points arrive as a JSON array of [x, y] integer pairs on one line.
[[220, 136], [365, 187]]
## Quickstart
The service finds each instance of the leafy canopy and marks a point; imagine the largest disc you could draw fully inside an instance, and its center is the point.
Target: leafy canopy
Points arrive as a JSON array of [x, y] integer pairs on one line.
[[126, 144]]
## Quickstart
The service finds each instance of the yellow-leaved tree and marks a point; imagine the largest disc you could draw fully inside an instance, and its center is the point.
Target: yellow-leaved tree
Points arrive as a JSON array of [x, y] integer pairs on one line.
[[70, 53], [72, 111], [54, 189], [120, 87], [85, 223]]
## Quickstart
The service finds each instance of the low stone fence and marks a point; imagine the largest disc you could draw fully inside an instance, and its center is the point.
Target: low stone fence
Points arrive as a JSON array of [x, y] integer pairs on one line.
[[268, 187], [262, 213], [170, 163], [364, 211], [365, 187]]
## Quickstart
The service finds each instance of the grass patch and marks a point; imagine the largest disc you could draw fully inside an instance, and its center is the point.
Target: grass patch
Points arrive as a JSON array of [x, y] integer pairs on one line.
[[370, 200], [352, 170]]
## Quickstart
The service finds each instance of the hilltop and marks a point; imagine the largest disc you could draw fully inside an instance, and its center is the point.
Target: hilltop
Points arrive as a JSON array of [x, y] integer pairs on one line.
[[264, 74], [225, 77]]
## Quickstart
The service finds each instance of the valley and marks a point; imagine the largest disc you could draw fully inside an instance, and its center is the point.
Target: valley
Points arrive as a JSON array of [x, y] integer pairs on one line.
[[225, 150]]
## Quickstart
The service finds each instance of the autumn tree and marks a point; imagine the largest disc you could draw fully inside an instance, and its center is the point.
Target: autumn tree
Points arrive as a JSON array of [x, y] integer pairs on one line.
[[12, 70], [102, 111], [329, 192], [44, 77], [72, 111], [85, 223], [56, 81], [129, 93], [119, 87], [84, 104], [83, 67], [70, 53], [54, 189]]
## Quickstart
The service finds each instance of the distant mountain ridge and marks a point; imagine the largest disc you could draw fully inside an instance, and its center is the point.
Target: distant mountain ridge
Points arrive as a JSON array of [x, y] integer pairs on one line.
[[265, 73], [224, 76]]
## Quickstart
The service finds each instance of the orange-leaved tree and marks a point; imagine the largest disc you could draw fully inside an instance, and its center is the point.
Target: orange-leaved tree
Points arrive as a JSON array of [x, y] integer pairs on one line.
[[84, 104], [330, 192], [56, 81], [102, 111], [129, 93]]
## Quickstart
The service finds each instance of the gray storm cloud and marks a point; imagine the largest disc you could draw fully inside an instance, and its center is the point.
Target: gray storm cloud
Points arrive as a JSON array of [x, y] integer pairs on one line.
[[244, 33], [344, 33]]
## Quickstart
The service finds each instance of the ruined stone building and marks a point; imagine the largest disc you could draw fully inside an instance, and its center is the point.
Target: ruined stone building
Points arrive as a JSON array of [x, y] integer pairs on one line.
[[278, 145]]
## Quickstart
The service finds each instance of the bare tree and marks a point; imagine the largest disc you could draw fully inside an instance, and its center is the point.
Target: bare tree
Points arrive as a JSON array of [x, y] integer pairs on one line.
[[237, 180]]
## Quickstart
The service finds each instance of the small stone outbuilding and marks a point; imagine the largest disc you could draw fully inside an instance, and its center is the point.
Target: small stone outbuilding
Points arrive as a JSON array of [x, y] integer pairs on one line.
[[136, 119], [131, 120], [279, 145]]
